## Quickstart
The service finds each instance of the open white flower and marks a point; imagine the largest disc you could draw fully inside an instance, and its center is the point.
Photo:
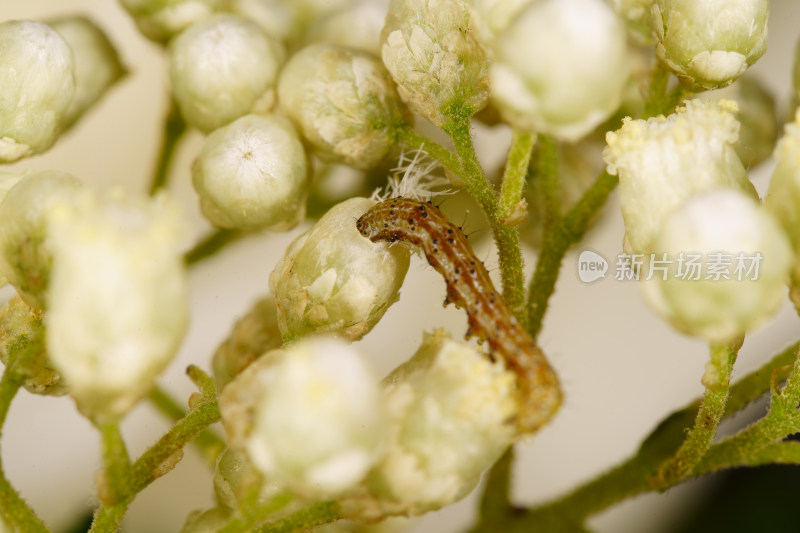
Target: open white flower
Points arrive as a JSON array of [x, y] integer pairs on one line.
[[662, 162], [118, 304], [560, 67], [309, 415], [37, 84], [710, 43], [222, 69], [334, 280], [252, 174]]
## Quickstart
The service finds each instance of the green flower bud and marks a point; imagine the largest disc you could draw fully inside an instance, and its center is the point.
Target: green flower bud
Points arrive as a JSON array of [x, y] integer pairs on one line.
[[97, 63], [334, 280], [709, 43], [431, 51], [743, 257], [759, 131], [37, 84], [17, 322], [308, 416], [221, 69], [25, 255], [662, 162], [159, 20], [560, 68], [343, 102], [118, 305], [253, 335], [357, 27], [451, 415], [252, 174]]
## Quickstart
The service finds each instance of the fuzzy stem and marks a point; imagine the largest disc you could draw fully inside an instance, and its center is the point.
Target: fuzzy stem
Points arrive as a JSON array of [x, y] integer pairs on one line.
[[513, 184]]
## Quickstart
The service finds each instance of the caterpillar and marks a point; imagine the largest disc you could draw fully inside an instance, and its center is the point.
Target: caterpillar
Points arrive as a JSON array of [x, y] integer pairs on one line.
[[469, 286]]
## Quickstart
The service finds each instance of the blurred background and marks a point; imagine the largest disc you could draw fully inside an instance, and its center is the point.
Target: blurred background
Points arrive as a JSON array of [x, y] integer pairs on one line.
[[623, 369]]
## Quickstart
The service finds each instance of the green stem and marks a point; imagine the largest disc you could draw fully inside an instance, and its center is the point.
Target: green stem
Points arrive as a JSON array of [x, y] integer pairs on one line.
[[208, 443], [413, 140], [635, 475], [14, 509], [306, 519], [506, 238], [559, 235], [160, 458], [495, 503], [174, 127], [211, 244], [513, 183], [117, 463], [256, 515], [681, 465]]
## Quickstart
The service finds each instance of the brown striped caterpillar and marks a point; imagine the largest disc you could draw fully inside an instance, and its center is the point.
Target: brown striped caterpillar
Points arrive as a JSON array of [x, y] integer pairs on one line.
[[469, 287]]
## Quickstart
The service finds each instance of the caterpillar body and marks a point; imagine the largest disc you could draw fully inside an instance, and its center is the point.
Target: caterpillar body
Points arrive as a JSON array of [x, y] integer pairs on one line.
[[469, 287]]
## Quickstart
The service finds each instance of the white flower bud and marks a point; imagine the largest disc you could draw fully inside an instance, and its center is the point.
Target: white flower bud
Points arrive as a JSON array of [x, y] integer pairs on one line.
[[118, 304], [221, 69], [97, 63], [431, 50], [357, 27], [636, 14], [308, 416], [662, 162], [161, 19], [560, 68], [451, 415], [709, 43], [253, 335], [24, 253], [18, 320], [37, 84], [252, 174], [343, 102], [334, 280], [744, 262]]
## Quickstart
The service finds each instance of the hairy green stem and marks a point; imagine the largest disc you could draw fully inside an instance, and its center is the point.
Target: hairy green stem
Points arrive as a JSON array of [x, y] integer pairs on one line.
[[681, 465], [117, 463], [174, 127], [513, 183], [14, 509], [306, 519], [413, 140], [208, 443], [506, 238]]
